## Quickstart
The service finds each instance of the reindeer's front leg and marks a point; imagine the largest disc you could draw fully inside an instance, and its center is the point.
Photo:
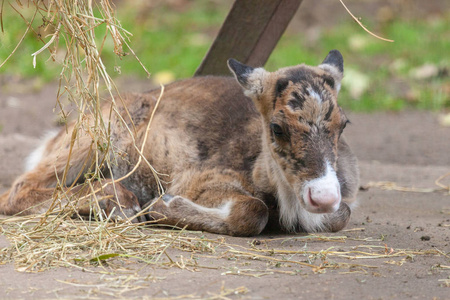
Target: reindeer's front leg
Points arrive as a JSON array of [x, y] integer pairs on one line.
[[239, 215], [211, 201], [336, 221]]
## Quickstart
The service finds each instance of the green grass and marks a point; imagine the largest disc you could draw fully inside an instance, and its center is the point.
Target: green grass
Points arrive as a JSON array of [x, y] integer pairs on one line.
[[167, 40], [175, 41]]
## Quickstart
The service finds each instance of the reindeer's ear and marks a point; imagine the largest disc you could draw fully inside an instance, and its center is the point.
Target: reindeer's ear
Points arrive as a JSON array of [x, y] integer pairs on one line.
[[251, 79], [334, 59], [334, 64], [241, 71]]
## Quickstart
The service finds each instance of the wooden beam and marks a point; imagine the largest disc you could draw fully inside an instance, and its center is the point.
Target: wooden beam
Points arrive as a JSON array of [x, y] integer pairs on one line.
[[249, 34]]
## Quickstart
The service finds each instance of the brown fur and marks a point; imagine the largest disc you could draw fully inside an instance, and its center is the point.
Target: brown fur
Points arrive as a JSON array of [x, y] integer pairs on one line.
[[217, 148]]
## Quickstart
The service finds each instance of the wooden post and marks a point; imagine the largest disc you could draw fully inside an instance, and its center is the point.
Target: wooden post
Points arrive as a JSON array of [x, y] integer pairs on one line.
[[249, 34]]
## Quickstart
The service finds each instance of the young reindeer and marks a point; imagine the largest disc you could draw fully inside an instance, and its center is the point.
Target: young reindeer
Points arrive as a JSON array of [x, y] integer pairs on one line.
[[270, 156]]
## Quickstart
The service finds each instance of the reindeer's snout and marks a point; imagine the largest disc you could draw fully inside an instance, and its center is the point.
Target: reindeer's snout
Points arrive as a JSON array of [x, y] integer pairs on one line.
[[322, 199], [322, 195]]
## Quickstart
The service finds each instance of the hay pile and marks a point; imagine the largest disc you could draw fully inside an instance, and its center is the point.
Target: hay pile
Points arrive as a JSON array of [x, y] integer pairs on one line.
[[70, 36]]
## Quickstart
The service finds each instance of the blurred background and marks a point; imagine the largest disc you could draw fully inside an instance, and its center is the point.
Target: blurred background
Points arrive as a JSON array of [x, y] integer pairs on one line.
[[171, 38]]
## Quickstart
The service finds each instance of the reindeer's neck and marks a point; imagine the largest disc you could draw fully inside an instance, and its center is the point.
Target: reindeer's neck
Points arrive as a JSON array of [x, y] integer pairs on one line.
[[267, 174]]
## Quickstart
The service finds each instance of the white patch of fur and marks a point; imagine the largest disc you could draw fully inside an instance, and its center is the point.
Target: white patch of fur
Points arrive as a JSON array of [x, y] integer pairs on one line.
[[337, 75], [255, 81], [333, 70], [324, 189], [258, 73], [315, 95], [223, 211], [292, 213], [35, 157]]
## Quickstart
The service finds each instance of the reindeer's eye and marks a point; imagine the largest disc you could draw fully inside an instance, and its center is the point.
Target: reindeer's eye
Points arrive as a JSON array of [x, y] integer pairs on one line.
[[276, 129]]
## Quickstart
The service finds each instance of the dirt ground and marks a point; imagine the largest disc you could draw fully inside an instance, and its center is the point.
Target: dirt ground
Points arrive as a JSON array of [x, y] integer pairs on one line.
[[409, 231]]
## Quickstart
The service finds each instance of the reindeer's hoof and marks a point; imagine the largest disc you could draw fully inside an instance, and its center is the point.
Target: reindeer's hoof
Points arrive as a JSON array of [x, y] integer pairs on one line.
[[339, 219], [131, 213], [124, 205]]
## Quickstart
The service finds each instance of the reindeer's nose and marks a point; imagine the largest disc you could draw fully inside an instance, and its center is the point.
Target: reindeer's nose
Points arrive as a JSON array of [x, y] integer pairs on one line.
[[323, 199], [323, 194]]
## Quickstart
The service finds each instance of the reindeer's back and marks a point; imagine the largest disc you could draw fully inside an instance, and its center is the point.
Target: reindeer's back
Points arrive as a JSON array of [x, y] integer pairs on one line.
[[204, 122]]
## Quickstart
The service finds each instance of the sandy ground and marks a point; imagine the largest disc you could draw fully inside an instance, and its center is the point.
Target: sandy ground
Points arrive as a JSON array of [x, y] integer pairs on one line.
[[409, 148]]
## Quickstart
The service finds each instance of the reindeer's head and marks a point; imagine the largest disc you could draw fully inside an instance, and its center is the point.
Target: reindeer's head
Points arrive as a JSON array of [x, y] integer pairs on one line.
[[302, 125]]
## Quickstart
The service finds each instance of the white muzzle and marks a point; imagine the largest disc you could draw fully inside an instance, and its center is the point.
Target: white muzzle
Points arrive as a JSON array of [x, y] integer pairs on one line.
[[323, 194]]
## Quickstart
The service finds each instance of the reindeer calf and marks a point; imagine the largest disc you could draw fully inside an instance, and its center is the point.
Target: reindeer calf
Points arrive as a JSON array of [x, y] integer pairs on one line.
[[263, 149]]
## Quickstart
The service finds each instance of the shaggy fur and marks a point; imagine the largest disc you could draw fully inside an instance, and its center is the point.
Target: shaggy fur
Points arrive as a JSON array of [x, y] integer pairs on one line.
[[261, 150]]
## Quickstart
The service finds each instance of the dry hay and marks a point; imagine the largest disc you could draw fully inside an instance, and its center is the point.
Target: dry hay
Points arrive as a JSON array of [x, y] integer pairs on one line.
[[66, 242], [68, 31], [55, 239], [393, 186], [127, 253]]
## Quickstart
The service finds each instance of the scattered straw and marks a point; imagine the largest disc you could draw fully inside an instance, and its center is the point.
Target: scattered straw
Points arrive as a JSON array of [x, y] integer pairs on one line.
[[439, 183], [71, 243], [392, 186], [445, 282], [117, 249]]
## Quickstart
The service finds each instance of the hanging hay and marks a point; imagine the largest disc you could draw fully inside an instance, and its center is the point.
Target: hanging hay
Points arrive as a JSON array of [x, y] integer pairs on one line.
[[69, 29]]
